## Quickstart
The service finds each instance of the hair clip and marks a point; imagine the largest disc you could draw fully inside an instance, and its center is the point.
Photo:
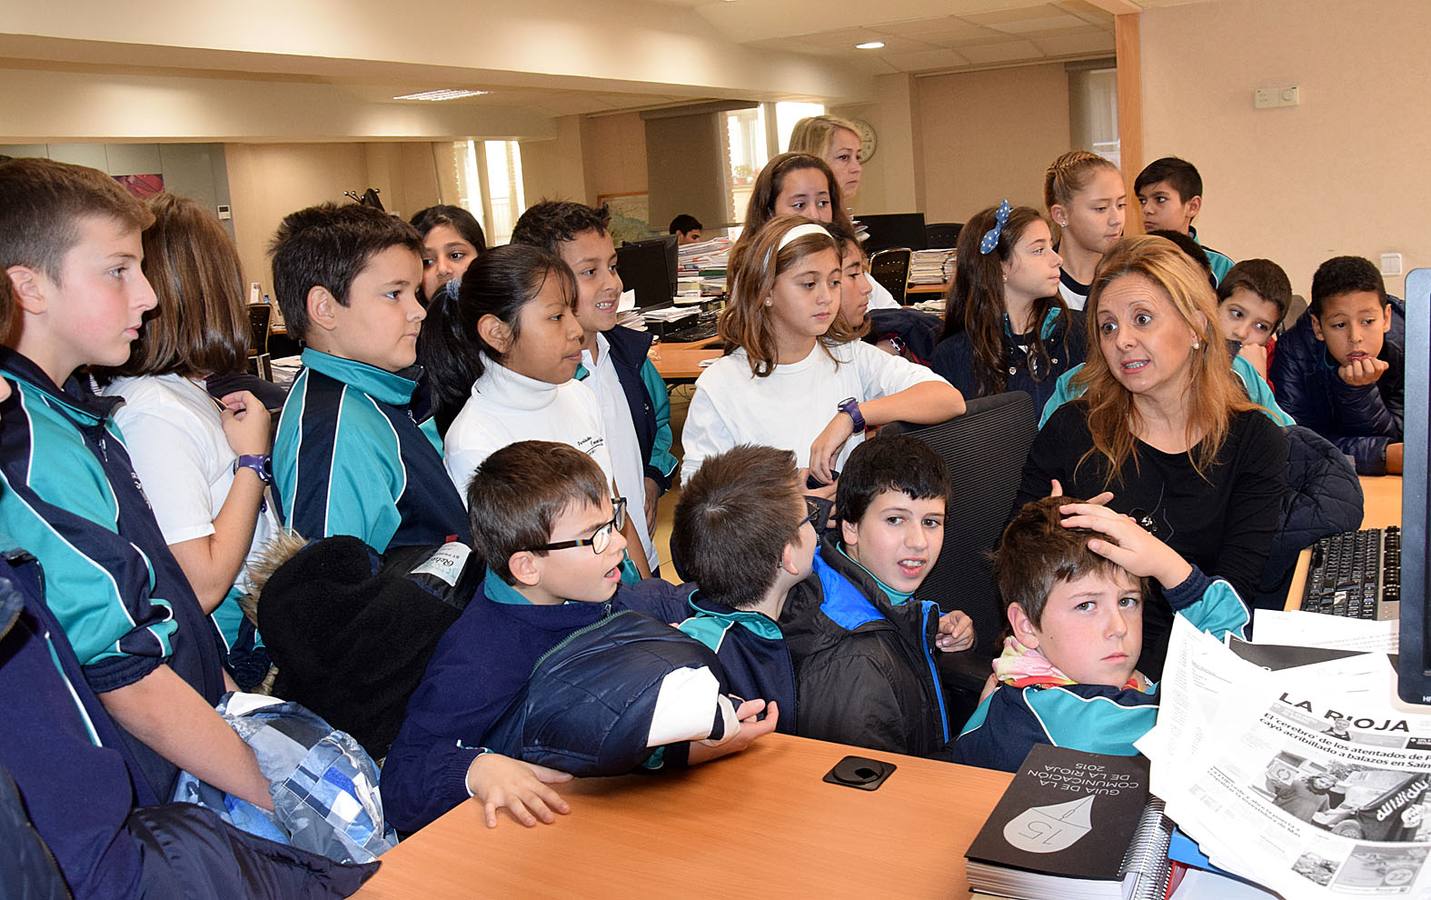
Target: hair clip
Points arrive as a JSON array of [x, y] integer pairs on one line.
[[990, 239]]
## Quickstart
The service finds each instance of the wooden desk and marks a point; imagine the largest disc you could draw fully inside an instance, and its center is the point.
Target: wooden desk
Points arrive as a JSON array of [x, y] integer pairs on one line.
[[681, 362], [758, 824], [1382, 507], [941, 288]]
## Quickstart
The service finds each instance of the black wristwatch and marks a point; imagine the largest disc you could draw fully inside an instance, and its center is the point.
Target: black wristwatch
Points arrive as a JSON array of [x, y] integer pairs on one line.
[[260, 463], [851, 407]]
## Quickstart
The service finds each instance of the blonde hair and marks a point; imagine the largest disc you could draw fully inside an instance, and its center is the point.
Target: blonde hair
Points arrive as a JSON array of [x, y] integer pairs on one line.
[[814, 134], [1070, 174], [1213, 394], [745, 322]]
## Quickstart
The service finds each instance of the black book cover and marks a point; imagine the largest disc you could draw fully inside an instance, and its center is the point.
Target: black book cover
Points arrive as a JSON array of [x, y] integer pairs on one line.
[[1066, 813]]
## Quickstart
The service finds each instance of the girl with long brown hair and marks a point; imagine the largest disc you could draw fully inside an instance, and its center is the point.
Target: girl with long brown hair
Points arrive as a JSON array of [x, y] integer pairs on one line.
[[1166, 426], [1006, 328], [787, 382]]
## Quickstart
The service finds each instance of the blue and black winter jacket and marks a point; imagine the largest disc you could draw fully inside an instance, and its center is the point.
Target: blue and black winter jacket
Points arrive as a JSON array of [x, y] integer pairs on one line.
[[864, 666]]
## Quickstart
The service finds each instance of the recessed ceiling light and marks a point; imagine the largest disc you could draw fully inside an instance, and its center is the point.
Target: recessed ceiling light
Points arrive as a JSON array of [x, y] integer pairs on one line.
[[870, 45], [445, 94]]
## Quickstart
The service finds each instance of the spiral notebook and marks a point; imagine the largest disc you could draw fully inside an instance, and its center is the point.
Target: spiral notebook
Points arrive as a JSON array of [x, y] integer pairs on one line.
[[1074, 825]]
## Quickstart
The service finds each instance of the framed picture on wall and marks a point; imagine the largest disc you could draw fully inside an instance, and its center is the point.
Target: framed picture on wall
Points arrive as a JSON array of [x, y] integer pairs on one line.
[[630, 215]]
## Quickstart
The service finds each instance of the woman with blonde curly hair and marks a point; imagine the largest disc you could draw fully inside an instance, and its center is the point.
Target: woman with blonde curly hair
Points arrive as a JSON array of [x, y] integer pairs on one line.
[[1166, 426]]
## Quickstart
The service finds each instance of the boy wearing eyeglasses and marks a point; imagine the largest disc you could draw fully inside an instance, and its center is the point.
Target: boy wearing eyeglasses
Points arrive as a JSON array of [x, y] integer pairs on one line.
[[545, 523], [744, 531]]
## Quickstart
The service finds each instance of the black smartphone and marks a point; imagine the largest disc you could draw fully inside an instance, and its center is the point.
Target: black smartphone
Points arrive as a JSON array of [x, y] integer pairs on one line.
[[814, 484]]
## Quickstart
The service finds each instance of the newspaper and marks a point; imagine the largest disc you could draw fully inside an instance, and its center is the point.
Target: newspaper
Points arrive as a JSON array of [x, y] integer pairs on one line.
[[1307, 780]]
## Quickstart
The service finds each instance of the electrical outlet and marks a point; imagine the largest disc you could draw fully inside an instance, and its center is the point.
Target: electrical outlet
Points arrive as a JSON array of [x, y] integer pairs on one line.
[[1391, 263], [1274, 97]]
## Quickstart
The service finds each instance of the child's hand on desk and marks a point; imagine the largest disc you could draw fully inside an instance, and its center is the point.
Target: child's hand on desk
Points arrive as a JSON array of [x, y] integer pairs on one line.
[[497, 781], [956, 632], [750, 729]]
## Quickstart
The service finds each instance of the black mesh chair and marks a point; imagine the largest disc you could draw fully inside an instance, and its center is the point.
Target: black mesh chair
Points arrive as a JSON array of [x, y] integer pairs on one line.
[[891, 269], [984, 451], [259, 315], [943, 235]]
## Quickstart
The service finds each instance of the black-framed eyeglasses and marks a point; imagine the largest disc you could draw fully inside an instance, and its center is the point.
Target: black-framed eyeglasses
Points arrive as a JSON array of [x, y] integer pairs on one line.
[[600, 538], [816, 513]]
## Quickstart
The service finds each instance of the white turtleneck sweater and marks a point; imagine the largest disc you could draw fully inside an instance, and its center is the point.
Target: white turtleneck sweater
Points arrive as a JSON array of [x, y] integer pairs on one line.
[[507, 407]]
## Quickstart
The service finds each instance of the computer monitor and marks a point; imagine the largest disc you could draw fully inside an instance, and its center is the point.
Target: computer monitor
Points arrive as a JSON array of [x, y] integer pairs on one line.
[[649, 268], [895, 230], [1414, 664]]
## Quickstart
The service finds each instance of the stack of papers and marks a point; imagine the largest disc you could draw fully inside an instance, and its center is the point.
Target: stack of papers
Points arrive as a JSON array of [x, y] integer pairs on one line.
[[931, 266], [1294, 767], [708, 261]]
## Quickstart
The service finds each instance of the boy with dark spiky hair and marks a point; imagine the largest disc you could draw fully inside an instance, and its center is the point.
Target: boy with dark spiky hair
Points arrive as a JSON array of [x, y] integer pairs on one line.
[[1341, 370], [634, 406], [1073, 576], [349, 456], [745, 533], [859, 638], [1170, 193]]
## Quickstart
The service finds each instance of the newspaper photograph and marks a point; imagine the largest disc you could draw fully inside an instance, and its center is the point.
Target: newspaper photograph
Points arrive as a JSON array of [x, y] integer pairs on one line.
[[1285, 779]]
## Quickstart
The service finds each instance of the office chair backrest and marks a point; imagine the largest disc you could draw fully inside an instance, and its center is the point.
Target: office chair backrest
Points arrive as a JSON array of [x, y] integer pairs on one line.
[[259, 315], [891, 269], [1295, 308], [943, 235], [984, 451]]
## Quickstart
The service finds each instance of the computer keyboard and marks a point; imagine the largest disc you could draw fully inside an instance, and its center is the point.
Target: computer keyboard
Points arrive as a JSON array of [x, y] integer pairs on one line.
[[1352, 571], [691, 334]]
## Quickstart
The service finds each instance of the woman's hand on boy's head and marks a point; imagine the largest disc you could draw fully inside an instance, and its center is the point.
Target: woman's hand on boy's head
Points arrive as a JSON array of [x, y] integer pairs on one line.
[[826, 447], [497, 781], [1103, 499], [751, 728], [1363, 372], [1129, 545], [956, 632]]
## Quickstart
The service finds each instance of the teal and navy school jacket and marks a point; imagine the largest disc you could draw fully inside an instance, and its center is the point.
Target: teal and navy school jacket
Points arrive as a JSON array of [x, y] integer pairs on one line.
[[1094, 718], [350, 458], [752, 652], [71, 498], [1219, 261], [1257, 388], [645, 392]]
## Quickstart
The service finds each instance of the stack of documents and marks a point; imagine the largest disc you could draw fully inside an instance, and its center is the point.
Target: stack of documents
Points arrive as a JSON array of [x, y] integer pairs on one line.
[[931, 266], [706, 260], [1296, 767]]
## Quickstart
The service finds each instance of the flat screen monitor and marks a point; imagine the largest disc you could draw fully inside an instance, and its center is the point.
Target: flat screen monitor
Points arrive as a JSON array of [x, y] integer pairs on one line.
[[1414, 664], [895, 230], [649, 268]]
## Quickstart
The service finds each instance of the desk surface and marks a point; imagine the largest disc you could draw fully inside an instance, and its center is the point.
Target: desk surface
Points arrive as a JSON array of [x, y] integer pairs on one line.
[[761, 823], [682, 362], [940, 288], [1381, 507]]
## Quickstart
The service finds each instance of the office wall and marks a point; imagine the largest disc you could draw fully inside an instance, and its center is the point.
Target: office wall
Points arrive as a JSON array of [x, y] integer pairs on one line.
[[893, 180], [1344, 172], [614, 154], [269, 181], [556, 169], [990, 135]]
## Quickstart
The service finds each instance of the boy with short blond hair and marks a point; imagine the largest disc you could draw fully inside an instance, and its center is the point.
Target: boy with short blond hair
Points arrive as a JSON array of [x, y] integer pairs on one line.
[[70, 246], [1073, 576], [349, 456]]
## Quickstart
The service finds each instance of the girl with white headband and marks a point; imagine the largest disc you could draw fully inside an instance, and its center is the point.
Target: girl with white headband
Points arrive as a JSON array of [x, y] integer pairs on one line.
[[785, 382]]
